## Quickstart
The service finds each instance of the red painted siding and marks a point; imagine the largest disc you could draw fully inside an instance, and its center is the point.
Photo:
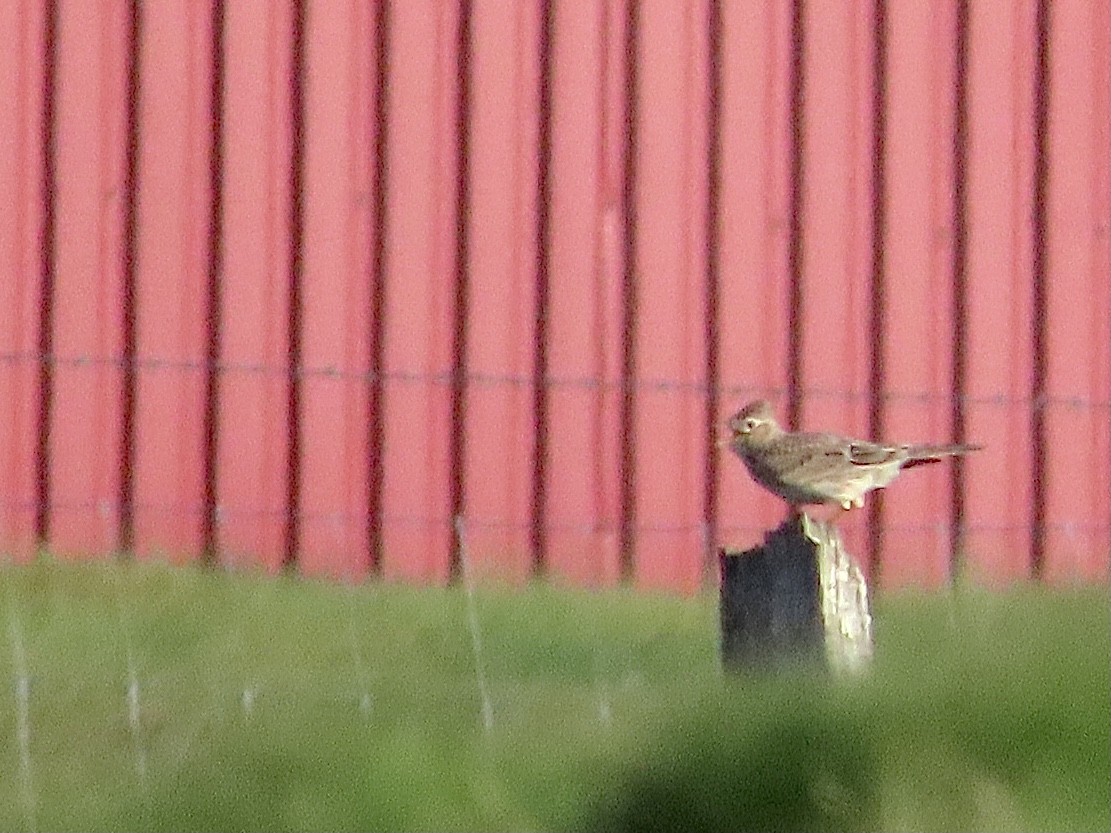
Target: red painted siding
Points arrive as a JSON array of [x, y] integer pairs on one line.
[[918, 251], [175, 61], [306, 283], [583, 310], [417, 538], [85, 440], [754, 239], [1076, 255], [502, 274], [253, 443], [21, 235]]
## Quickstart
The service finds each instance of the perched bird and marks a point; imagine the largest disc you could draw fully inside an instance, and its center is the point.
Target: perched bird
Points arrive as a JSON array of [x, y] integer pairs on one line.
[[805, 468]]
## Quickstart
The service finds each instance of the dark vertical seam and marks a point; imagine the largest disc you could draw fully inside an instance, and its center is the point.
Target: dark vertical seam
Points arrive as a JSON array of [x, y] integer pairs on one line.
[[125, 534], [877, 329], [1038, 443], [378, 267], [713, 284], [213, 292], [296, 269], [539, 504], [627, 542], [458, 450], [960, 285], [795, 211], [47, 268]]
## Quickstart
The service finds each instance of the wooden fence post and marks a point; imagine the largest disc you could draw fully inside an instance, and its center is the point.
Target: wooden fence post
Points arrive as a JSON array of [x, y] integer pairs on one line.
[[800, 598]]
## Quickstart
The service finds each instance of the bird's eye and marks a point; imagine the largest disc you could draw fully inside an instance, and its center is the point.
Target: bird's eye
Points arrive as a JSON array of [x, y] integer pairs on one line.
[[750, 423]]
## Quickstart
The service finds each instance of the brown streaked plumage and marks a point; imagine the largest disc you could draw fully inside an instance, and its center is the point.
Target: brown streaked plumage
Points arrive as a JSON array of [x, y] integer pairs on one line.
[[818, 468]]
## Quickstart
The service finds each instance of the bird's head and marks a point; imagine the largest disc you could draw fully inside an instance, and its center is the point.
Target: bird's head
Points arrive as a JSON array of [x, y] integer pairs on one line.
[[752, 427]]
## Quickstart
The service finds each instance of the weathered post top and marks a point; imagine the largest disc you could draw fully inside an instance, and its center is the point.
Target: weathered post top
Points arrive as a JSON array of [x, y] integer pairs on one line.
[[799, 598]]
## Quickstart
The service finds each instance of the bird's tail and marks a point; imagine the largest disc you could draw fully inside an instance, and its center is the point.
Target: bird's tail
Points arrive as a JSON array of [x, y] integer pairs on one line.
[[919, 455]]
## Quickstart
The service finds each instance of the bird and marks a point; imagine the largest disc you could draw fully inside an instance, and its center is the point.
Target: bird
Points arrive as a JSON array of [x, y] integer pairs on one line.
[[822, 468]]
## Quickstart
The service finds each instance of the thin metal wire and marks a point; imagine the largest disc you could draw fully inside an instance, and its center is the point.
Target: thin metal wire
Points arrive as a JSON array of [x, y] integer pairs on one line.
[[590, 383]]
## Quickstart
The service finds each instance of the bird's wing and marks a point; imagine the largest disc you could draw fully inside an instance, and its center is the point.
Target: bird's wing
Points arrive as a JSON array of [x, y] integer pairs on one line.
[[809, 457], [864, 453]]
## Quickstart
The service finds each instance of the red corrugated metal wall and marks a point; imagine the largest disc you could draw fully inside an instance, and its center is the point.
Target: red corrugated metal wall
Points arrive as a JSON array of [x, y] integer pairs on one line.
[[300, 283]]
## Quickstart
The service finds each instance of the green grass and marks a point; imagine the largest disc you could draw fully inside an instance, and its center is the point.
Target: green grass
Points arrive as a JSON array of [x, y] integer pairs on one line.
[[983, 711]]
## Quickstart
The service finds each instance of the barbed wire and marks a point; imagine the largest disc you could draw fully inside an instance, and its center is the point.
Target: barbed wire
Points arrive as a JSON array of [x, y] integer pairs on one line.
[[446, 378]]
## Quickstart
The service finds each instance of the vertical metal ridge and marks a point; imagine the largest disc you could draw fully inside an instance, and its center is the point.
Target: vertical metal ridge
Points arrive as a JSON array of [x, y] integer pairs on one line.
[[458, 451], [627, 532], [1040, 336], [213, 290], [713, 282], [540, 403], [125, 536], [296, 269], [796, 209], [960, 285], [47, 270], [376, 428], [877, 324]]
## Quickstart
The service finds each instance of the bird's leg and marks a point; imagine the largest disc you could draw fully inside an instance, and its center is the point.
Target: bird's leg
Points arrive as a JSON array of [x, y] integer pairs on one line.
[[849, 503]]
